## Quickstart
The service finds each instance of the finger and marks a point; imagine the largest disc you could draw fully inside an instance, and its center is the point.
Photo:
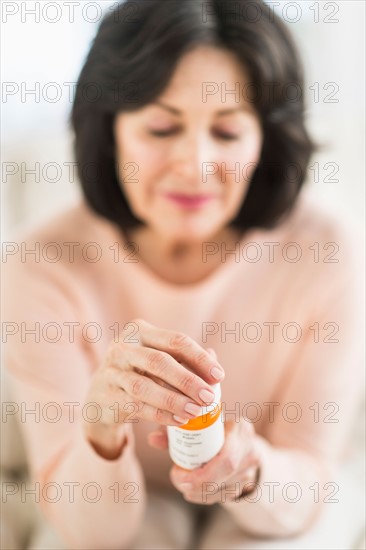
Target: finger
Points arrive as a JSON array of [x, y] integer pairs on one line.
[[135, 410], [165, 367], [159, 440], [142, 388], [208, 499], [236, 455], [226, 463], [182, 348], [212, 352], [204, 493], [210, 471], [212, 493], [209, 492]]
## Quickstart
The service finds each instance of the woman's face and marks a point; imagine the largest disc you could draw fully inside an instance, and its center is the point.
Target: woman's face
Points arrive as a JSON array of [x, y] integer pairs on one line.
[[185, 161]]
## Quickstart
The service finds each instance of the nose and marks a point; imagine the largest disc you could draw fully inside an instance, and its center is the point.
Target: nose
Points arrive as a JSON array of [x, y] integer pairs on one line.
[[190, 154]]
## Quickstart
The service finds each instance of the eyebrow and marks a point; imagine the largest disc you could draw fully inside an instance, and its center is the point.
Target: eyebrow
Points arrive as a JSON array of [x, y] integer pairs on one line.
[[222, 112]]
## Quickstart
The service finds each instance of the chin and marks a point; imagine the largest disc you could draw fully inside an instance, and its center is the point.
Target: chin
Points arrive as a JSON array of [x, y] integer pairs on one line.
[[192, 232]]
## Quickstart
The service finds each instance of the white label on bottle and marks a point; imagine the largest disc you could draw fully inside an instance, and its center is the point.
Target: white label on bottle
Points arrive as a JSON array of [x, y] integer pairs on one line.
[[192, 448]]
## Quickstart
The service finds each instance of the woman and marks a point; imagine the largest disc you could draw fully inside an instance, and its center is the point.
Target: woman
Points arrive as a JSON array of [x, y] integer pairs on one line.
[[192, 258]]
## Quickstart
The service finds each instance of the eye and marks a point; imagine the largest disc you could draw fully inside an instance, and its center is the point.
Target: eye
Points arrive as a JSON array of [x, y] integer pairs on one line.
[[226, 137], [162, 133], [166, 133]]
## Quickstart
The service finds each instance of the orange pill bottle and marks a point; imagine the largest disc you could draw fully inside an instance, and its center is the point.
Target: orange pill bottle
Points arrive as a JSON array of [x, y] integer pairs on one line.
[[198, 441]]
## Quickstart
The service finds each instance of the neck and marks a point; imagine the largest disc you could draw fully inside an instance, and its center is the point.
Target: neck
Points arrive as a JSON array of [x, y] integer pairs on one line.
[[179, 260]]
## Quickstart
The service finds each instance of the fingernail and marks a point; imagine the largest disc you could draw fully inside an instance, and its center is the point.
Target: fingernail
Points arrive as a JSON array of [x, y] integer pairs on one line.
[[180, 420], [193, 409], [207, 396], [185, 486], [217, 373]]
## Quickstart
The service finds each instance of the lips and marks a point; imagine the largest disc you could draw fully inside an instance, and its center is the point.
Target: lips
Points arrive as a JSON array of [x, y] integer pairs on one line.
[[188, 201]]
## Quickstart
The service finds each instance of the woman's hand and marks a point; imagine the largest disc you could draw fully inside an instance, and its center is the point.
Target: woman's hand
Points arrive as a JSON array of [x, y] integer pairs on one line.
[[144, 380], [225, 476]]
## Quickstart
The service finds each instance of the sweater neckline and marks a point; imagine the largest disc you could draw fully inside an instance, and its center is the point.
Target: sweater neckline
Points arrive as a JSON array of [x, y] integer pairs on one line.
[[141, 270], [148, 278]]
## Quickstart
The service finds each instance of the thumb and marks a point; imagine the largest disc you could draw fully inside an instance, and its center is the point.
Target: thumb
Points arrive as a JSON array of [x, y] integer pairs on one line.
[[159, 438]]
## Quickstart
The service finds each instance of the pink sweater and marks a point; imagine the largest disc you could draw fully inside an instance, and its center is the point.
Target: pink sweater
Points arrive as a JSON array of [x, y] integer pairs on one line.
[[287, 330]]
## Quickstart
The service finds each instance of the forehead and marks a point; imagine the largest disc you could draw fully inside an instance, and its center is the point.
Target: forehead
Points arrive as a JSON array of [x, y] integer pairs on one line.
[[204, 77]]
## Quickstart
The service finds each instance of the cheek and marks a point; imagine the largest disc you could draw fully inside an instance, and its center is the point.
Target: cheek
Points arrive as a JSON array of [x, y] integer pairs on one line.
[[142, 155], [238, 167], [139, 166]]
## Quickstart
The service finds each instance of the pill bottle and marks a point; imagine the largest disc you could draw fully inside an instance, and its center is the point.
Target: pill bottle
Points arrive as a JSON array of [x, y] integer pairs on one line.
[[201, 438]]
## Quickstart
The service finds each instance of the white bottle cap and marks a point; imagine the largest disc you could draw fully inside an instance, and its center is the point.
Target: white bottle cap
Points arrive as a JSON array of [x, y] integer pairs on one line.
[[216, 388]]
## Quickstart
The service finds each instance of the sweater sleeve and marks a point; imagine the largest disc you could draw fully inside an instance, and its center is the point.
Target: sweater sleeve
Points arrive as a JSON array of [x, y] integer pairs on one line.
[[313, 410], [90, 501]]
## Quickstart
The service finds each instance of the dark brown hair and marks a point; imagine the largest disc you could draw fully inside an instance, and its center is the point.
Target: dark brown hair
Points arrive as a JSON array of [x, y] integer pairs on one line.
[[132, 60]]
